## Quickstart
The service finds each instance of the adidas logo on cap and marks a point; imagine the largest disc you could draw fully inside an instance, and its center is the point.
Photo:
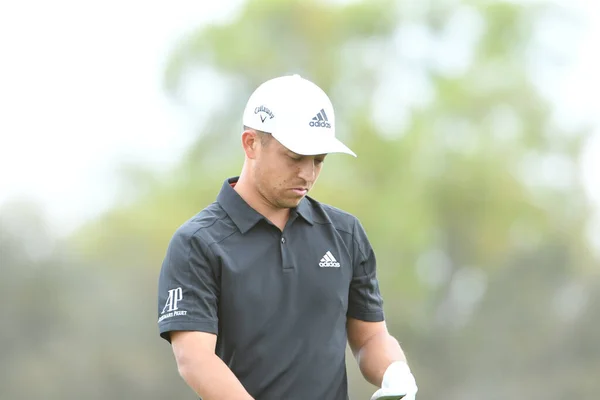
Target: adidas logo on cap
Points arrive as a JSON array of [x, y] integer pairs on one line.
[[320, 120]]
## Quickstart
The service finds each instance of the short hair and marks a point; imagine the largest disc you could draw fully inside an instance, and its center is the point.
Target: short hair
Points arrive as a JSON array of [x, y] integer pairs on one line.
[[265, 137]]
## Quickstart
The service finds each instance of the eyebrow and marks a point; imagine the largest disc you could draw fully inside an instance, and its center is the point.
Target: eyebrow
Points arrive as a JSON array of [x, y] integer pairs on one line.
[[291, 153]]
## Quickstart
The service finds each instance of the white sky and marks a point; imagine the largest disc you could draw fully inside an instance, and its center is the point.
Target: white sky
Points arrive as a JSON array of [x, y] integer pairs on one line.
[[80, 90]]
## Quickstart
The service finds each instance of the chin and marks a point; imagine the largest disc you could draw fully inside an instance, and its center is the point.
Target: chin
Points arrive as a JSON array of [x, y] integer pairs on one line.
[[290, 203]]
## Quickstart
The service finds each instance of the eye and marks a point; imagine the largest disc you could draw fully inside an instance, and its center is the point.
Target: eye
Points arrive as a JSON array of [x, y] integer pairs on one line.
[[295, 157], [319, 161]]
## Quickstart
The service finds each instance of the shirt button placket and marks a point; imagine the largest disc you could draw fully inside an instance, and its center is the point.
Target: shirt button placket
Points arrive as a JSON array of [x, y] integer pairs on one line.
[[285, 256]]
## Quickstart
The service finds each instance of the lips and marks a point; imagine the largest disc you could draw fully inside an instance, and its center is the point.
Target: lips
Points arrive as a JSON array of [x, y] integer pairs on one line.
[[300, 191]]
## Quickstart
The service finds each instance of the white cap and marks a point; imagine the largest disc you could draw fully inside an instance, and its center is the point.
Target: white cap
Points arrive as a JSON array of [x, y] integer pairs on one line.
[[297, 113]]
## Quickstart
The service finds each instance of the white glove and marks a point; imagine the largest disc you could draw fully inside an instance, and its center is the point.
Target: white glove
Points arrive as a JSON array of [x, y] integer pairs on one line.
[[398, 383]]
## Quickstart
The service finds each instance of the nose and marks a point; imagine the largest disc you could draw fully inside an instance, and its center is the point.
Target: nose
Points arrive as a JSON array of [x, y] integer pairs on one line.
[[306, 169]]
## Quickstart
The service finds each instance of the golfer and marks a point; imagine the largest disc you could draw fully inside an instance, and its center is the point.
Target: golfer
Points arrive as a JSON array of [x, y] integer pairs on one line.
[[260, 292]]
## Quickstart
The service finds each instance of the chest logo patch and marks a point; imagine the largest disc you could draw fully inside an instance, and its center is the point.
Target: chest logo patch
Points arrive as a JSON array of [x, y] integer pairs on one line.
[[328, 261]]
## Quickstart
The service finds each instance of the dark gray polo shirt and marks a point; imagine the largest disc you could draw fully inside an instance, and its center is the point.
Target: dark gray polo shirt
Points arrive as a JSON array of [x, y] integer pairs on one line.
[[278, 301]]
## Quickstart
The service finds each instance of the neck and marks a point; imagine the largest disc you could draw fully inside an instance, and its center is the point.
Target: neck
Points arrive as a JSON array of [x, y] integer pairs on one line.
[[247, 191]]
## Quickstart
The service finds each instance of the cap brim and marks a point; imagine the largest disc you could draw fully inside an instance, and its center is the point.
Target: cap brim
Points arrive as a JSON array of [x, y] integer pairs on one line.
[[311, 145]]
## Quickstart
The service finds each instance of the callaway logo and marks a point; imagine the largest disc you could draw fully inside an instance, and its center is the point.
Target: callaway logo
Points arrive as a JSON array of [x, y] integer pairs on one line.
[[265, 112], [320, 120]]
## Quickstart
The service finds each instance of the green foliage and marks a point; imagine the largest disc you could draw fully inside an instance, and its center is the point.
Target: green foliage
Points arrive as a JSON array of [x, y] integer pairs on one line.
[[270, 38]]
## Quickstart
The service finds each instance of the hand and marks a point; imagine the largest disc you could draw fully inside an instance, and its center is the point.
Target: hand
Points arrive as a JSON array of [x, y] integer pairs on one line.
[[398, 383]]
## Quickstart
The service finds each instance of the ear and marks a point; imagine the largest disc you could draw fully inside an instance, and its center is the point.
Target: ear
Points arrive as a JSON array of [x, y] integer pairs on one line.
[[250, 143]]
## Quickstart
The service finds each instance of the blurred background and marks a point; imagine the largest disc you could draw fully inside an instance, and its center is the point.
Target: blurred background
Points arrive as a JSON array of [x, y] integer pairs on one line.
[[477, 128]]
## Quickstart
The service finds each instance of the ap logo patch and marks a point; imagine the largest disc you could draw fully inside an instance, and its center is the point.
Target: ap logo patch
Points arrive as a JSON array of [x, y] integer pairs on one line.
[[171, 308], [175, 296]]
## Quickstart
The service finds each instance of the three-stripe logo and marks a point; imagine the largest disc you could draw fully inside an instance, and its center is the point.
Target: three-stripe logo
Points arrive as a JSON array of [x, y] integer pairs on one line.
[[329, 261], [320, 120]]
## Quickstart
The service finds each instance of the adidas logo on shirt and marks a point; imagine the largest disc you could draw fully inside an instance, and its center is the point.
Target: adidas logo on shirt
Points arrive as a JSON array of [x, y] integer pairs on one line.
[[320, 120], [329, 261]]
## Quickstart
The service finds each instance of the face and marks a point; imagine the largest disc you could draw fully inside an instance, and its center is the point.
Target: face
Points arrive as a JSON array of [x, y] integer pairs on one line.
[[282, 177]]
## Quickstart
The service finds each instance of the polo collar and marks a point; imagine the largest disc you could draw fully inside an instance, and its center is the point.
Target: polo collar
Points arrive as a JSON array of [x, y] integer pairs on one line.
[[304, 210], [244, 216]]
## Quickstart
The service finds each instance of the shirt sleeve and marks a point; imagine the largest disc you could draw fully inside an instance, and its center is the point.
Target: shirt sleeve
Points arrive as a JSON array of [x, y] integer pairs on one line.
[[365, 301], [188, 288]]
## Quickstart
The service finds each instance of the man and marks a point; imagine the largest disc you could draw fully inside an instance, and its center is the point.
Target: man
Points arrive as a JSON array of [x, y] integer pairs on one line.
[[261, 291]]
